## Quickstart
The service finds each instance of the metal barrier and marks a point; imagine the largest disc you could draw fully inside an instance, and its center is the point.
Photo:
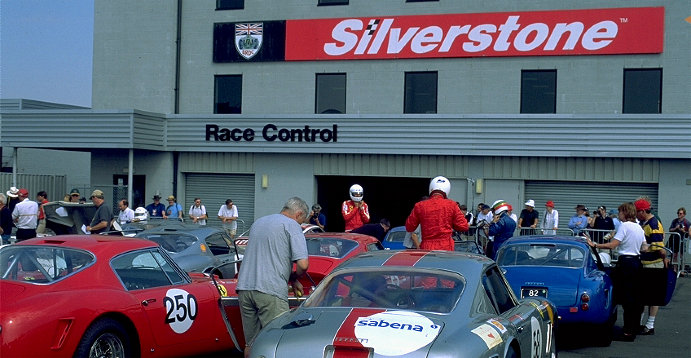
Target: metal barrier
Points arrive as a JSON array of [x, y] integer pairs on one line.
[[675, 244], [537, 231], [598, 235]]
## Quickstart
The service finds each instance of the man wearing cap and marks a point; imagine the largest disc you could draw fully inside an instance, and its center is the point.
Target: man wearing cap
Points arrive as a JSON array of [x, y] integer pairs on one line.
[[103, 215], [529, 218], [25, 216], [578, 222], [174, 210], [75, 195], [655, 256], [550, 221], [156, 209]]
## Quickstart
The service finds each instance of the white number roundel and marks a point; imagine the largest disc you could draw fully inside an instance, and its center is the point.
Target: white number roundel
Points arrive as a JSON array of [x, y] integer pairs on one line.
[[181, 309]]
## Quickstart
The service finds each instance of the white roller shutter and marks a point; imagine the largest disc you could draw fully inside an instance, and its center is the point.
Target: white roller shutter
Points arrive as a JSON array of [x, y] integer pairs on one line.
[[566, 195], [214, 189]]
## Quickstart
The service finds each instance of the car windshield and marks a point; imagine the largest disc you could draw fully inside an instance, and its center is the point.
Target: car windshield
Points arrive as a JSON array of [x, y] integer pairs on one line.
[[41, 264], [329, 246], [541, 255], [396, 236], [421, 290], [171, 242]]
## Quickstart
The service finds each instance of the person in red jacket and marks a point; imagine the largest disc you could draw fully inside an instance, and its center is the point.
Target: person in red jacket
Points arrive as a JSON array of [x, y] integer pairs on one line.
[[438, 216], [355, 211]]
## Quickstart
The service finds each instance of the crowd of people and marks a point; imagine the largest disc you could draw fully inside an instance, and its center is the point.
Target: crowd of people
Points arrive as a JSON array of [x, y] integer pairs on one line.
[[633, 230]]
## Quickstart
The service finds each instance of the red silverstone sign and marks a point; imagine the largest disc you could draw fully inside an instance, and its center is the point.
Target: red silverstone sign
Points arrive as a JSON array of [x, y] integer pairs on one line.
[[534, 33]]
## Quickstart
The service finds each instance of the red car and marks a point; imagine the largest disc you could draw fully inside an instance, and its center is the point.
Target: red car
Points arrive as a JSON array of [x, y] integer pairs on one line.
[[326, 251], [108, 296]]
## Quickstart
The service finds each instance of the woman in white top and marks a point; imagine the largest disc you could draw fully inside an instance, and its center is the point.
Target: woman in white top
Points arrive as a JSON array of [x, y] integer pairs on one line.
[[628, 241], [550, 221], [198, 212]]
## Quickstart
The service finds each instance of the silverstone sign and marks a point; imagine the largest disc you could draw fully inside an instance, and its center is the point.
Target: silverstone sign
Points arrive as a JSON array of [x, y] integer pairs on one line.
[[534, 33]]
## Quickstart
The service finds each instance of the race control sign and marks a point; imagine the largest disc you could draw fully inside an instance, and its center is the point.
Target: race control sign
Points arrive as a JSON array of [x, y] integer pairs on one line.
[[528, 33]]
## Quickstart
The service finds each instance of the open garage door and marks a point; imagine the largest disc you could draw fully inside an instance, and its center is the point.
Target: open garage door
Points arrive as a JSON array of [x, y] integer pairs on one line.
[[391, 198], [566, 195], [214, 189]]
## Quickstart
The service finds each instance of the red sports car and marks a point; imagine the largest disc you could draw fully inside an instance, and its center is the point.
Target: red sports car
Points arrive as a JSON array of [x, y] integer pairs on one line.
[[107, 296], [326, 251]]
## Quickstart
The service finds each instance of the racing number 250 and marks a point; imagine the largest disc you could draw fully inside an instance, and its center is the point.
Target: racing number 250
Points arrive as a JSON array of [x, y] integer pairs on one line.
[[180, 308]]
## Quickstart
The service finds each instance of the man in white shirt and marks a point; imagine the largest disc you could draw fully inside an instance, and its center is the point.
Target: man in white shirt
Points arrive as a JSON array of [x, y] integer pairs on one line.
[[25, 216], [126, 214], [228, 214]]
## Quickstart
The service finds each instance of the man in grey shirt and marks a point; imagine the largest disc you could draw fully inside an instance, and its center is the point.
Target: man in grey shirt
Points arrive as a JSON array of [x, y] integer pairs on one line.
[[275, 242]]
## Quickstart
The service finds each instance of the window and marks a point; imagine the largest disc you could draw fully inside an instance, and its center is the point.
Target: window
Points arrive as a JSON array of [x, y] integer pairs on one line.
[[230, 4], [332, 2], [498, 291], [228, 94], [643, 90], [330, 94], [539, 91], [420, 92], [145, 269]]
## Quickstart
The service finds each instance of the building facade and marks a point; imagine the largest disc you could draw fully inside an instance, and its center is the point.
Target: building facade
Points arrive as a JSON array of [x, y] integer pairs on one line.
[[258, 101]]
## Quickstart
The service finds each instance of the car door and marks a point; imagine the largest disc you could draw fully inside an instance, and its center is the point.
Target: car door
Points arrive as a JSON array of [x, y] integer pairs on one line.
[[224, 253], [184, 316]]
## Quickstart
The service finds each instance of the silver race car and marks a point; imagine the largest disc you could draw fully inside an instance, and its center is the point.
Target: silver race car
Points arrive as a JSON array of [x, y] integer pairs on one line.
[[413, 304]]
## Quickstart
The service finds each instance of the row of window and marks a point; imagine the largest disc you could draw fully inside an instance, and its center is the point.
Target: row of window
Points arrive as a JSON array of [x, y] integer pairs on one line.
[[642, 92], [240, 4]]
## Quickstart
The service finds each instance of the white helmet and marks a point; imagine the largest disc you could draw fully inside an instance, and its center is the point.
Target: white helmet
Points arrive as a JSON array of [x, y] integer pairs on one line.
[[440, 183], [356, 193], [500, 206], [140, 214]]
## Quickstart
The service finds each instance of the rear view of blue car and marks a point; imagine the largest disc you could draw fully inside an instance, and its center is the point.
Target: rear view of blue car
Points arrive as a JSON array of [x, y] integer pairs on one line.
[[568, 273]]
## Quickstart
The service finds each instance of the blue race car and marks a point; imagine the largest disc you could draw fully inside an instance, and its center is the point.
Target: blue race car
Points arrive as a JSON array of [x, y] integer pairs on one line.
[[394, 238], [565, 270]]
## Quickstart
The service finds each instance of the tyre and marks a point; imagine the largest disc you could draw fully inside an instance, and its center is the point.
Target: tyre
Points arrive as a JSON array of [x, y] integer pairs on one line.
[[105, 338], [605, 332]]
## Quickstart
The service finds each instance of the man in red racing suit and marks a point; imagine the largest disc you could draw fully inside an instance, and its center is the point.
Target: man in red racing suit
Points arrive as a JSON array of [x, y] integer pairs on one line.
[[355, 211], [438, 217]]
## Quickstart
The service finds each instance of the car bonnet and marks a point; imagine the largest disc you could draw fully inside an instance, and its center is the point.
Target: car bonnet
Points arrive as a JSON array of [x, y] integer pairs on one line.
[[314, 331]]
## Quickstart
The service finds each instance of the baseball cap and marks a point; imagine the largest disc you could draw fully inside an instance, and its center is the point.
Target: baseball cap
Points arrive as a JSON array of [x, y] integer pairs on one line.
[[97, 193], [550, 204], [23, 192], [642, 204], [581, 207]]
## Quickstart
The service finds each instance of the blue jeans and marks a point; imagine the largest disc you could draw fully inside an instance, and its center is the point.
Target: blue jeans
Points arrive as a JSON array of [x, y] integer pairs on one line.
[[6, 238]]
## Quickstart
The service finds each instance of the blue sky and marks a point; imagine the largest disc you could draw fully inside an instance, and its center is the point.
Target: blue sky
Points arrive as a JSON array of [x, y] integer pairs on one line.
[[46, 50]]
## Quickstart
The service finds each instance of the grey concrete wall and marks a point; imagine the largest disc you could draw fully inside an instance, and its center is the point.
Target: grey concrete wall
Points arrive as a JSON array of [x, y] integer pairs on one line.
[[289, 175], [674, 190], [74, 165]]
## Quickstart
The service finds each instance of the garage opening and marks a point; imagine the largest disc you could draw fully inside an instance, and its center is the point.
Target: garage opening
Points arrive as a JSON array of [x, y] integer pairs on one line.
[[391, 198]]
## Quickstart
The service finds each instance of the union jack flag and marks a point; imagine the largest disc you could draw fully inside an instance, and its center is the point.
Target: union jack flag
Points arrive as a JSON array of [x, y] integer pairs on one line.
[[249, 29]]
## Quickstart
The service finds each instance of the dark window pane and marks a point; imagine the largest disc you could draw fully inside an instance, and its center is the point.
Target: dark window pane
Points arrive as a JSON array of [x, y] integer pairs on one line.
[[230, 4], [330, 93], [643, 91], [420, 92], [539, 91], [228, 94], [332, 2]]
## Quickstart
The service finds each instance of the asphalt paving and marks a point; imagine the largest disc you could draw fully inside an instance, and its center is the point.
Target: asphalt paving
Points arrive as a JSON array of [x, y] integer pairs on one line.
[[672, 333]]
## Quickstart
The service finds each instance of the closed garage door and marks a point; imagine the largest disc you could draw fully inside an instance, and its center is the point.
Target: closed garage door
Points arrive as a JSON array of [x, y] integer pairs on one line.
[[566, 195], [214, 189]]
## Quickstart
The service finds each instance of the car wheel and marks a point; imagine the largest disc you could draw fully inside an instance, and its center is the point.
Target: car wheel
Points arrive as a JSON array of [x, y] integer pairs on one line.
[[606, 332], [105, 338]]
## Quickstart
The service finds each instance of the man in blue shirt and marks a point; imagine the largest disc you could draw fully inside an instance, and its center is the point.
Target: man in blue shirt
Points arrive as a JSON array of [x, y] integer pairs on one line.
[[502, 227], [156, 209], [579, 222]]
